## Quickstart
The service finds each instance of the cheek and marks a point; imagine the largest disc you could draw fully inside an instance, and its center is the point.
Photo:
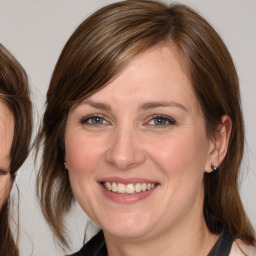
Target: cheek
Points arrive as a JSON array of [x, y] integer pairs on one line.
[[82, 153], [181, 158], [179, 151]]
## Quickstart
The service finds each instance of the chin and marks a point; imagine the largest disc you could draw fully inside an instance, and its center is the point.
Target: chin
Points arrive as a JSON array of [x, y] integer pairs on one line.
[[128, 229], [126, 234]]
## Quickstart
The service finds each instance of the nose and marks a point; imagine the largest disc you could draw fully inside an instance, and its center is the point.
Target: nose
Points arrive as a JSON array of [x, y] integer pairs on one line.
[[125, 151]]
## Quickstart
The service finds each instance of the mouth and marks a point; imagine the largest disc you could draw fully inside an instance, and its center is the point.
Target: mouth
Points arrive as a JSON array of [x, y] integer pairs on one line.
[[131, 188]]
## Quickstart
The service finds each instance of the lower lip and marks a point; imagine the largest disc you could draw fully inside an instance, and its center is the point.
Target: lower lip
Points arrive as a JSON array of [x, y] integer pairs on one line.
[[126, 198]]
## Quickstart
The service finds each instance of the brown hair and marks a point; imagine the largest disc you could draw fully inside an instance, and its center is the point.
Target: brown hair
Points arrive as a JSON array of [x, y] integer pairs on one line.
[[98, 50], [14, 91]]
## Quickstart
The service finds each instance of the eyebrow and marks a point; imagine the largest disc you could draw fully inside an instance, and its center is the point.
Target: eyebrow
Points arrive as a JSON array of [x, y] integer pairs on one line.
[[98, 105], [157, 104], [144, 106]]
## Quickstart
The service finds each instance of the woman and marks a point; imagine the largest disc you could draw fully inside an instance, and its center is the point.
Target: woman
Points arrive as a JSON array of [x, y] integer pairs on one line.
[[15, 134], [143, 127]]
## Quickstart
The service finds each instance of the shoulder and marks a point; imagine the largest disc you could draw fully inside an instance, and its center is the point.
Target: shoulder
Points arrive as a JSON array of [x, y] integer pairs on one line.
[[239, 248]]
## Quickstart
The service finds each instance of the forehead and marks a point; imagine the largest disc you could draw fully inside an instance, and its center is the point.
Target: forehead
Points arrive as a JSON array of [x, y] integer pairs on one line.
[[160, 71]]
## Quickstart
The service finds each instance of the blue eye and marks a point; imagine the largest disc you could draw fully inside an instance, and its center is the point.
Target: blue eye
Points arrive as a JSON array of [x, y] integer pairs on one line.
[[94, 120], [161, 121]]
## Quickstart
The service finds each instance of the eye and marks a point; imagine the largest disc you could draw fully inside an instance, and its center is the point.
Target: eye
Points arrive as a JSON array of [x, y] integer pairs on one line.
[[2, 172], [94, 120], [160, 120]]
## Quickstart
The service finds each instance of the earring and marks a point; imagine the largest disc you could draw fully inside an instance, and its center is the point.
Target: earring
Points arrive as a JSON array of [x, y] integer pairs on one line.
[[213, 167], [65, 166]]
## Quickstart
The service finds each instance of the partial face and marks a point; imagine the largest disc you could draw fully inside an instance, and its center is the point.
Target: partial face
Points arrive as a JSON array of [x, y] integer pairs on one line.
[[6, 138], [137, 150]]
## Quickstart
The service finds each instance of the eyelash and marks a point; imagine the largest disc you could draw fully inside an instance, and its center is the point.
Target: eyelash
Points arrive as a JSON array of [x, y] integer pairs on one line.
[[170, 121], [85, 120], [88, 120], [2, 172]]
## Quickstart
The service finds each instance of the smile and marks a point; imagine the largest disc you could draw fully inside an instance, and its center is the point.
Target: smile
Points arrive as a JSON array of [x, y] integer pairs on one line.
[[131, 188]]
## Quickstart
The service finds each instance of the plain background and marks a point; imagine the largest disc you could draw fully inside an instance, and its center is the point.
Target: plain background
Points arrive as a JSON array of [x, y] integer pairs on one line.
[[35, 32]]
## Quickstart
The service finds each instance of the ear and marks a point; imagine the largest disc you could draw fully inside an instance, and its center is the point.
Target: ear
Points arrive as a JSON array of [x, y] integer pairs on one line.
[[219, 143]]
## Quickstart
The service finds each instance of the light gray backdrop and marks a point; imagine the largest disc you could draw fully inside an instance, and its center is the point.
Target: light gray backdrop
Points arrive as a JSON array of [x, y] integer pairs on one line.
[[35, 32]]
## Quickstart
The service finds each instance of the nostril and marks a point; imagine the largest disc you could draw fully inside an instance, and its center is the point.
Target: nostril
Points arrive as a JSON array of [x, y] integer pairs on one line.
[[125, 160], [124, 151]]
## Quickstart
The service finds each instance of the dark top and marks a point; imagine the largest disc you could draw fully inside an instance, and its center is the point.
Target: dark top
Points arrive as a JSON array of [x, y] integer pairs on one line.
[[223, 245], [97, 246]]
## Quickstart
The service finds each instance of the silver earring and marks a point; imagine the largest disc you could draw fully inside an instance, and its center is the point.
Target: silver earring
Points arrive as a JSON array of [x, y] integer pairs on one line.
[[213, 167], [65, 165]]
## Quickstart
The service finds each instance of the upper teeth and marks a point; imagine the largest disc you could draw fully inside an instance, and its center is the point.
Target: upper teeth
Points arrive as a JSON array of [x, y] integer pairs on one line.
[[129, 188]]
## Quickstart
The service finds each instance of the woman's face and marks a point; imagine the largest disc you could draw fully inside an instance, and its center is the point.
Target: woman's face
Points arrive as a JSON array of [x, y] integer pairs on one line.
[[137, 150], [6, 138]]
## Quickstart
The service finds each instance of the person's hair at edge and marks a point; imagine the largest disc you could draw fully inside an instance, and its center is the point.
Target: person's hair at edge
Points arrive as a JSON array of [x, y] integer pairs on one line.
[[14, 92], [99, 49]]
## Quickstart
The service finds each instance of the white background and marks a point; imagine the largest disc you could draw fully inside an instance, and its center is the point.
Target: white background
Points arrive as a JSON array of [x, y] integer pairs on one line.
[[35, 32]]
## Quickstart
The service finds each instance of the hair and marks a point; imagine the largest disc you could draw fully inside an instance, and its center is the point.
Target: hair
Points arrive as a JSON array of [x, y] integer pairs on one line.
[[14, 92], [99, 49]]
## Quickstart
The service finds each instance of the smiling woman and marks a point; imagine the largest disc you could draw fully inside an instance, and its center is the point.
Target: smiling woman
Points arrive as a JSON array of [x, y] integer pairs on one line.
[[15, 134], [143, 112], [149, 148]]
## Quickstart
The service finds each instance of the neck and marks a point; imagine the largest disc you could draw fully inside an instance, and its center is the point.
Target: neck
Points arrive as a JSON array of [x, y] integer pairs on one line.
[[195, 241], [189, 235]]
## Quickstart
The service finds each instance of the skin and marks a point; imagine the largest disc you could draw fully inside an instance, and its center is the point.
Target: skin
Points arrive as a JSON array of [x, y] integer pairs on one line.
[[6, 138], [129, 142]]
